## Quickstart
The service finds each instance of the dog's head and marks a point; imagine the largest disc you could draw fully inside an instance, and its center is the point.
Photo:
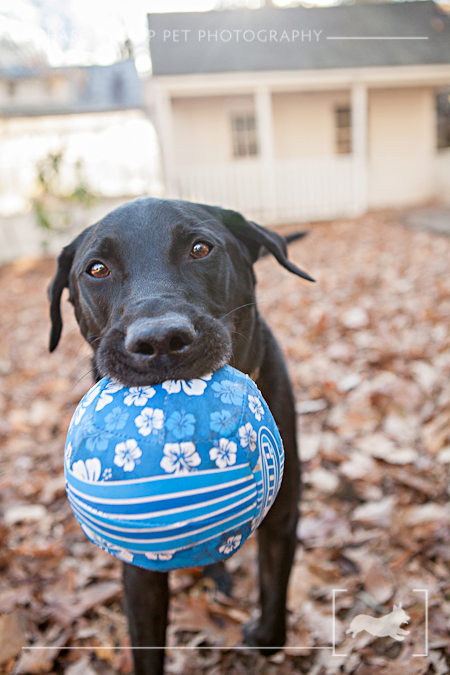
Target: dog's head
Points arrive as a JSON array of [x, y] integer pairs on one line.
[[160, 286], [400, 615]]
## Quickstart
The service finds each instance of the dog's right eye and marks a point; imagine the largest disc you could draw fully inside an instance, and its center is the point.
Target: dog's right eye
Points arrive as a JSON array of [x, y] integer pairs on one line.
[[98, 270]]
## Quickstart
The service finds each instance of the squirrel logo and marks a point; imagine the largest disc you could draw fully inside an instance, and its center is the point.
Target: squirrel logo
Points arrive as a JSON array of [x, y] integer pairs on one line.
[[386, 626]]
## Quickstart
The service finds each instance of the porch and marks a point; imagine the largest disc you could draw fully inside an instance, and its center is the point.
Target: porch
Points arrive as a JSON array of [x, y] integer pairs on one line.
[[299, 172]]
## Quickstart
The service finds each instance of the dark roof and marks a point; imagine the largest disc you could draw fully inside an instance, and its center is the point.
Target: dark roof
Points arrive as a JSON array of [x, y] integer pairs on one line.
[[111, 87], [399, 19], [91, 89]]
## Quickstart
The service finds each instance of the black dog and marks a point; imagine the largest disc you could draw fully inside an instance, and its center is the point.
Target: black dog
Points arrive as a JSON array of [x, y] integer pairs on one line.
[[165, 290]]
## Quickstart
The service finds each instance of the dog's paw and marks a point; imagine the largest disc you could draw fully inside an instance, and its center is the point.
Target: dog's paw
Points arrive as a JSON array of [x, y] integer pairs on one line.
[[268, 642]]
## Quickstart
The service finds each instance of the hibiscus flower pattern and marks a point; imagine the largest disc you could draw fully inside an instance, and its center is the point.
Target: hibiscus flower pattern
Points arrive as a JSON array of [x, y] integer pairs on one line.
[[106, 396], [247, 437], [150, 421], [96, 439], [120, 552], [88, 471], [90, 395], [190, 387], [78, 415], [162, 555], [224, 454], [94, 537], [180, 458], [126, 454], [181, 424], [139, 396], [255, 406], [231, 544], [116, 419], [223, 422], [107, 546], [68, 453], [228, 391]]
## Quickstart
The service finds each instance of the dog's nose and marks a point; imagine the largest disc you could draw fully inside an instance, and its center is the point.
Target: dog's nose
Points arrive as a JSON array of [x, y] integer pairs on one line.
[[160, 336]]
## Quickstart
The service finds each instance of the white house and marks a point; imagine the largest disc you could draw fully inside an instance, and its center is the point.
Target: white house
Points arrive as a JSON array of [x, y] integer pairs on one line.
[[92, 113], [304, 113]]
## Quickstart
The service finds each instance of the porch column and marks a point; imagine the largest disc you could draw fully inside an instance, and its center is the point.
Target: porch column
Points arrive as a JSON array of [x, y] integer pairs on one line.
[[164, 120], [359, 100], [264, 122]]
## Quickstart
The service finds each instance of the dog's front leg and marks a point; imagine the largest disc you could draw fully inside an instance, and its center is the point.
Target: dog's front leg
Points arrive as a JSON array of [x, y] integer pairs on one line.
[[146, 603], [277, 533]]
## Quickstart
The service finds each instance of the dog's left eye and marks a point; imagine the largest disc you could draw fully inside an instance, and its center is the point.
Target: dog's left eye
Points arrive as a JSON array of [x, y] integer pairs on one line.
[[200, 250], [98, 270]]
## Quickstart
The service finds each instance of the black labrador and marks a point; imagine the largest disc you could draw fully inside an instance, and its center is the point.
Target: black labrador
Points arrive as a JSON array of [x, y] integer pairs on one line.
[[165, 289]]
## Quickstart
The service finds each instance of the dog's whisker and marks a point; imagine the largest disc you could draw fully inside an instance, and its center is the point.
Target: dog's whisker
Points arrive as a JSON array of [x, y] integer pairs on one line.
[[89, 356], [93, 338], [92, 370], [82, 344], [236, 309], [245, 338], [90, 342], [257, 302]]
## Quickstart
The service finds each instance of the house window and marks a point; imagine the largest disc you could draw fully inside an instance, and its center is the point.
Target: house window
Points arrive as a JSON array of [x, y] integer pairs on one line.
[[244, 134], [343, 126], [443, 119]]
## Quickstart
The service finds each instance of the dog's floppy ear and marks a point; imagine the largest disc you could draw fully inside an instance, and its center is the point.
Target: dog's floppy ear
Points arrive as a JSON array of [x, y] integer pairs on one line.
[[59, 282], [256, 238]]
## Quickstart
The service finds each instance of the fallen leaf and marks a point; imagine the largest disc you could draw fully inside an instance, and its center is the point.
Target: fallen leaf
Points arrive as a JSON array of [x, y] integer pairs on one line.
[[323, 480], [436, 432], [12, 638], [24, 513], [355, 317], [378, 445], [375, 513], [66, 609], [309, 446], [427, 513], [444, 455], [53, 488], [358, 465], [300, 584], [81, 667], [321, 526], [379, 582], [320, 625]]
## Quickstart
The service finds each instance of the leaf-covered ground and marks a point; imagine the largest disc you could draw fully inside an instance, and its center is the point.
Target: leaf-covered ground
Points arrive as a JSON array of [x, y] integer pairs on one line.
[[368, 348]]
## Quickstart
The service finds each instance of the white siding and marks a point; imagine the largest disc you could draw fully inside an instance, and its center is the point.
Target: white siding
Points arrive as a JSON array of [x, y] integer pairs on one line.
[[202, 128], [304, 124], [402, 143]]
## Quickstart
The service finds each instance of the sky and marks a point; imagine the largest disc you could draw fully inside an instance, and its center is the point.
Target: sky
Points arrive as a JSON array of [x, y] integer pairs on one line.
[[72, 32]]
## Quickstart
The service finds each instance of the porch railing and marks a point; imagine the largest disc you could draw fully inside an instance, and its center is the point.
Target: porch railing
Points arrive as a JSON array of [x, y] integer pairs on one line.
[[282, 191]]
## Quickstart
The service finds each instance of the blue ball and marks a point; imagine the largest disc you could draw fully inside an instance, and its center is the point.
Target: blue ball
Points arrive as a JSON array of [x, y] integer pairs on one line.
[[174, 475]]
